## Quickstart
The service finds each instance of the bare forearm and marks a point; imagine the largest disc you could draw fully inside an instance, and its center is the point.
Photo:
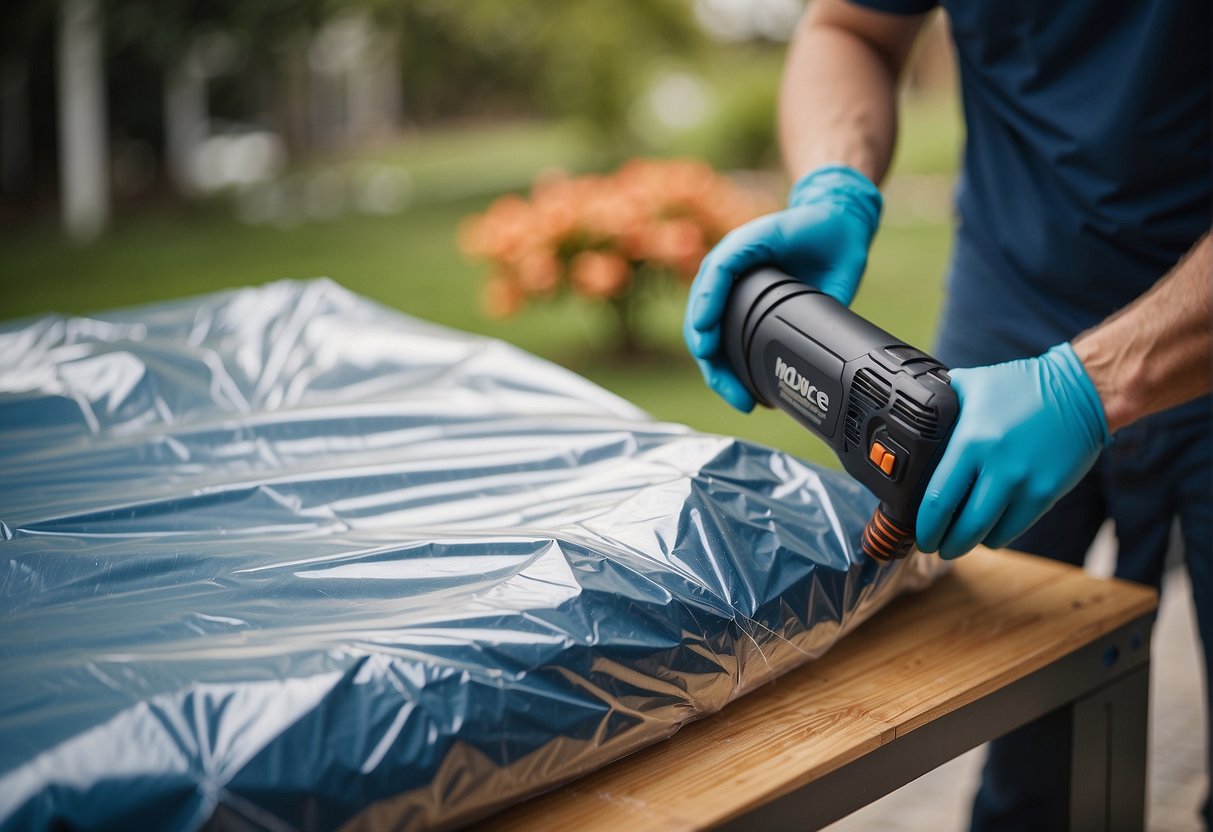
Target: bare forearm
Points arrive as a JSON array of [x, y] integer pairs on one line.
[[1156, 352], [838, 100]]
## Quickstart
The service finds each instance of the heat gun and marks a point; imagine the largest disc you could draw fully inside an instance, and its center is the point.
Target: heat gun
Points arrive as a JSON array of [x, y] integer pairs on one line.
[[884, 407]]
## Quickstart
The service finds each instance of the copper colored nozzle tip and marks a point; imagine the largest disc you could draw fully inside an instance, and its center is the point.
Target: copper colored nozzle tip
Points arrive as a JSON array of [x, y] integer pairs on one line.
[[885, 540]]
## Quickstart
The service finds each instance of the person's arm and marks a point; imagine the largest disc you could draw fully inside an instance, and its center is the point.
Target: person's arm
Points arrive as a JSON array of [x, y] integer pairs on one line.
[[838, 99], [837, 126], [1029, 430], [1156, 352]]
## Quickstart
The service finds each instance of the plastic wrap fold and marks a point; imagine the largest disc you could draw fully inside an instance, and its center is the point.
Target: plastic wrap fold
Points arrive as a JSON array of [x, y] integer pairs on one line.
[[283, 558]]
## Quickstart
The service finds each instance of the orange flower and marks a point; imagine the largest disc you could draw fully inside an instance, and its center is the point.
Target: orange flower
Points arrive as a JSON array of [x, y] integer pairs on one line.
[[499, 232], [598, 274], [596, 231], [471, 236], [677, 244], [538, 272], [611, 212], [502, 297]]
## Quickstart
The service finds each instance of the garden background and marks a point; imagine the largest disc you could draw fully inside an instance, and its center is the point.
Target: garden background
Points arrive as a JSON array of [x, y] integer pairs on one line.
[[151, 149], [242, 143]]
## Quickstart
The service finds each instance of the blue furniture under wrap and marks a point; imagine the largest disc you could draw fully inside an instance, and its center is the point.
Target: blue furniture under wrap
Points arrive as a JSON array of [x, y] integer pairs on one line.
[[283, 558]]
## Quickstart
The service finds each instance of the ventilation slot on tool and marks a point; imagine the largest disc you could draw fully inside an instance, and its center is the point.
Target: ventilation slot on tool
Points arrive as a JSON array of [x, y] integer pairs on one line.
[[869, 393], [924, 419]]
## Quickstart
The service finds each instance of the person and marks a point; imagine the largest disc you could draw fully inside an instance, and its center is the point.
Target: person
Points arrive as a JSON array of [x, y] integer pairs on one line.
[[1077, 294]]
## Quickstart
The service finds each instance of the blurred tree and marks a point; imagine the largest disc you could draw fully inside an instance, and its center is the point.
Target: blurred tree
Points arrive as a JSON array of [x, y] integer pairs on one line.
[[27, 41], [148, 44], [189, 41], [575, 58], [472, 59]]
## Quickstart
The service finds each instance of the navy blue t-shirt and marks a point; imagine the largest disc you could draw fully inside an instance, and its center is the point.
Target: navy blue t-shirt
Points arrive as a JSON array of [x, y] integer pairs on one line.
[[1088, 169]]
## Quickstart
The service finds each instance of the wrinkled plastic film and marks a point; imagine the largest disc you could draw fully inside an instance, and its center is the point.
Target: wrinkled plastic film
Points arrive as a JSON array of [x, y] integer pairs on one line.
[[283, 558]]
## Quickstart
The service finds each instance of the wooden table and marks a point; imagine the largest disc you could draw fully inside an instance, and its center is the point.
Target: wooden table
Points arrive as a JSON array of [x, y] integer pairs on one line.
[[1003, 639]]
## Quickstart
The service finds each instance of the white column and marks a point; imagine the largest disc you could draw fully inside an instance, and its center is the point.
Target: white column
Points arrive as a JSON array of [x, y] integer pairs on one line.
[[83, 141], [185, 122]]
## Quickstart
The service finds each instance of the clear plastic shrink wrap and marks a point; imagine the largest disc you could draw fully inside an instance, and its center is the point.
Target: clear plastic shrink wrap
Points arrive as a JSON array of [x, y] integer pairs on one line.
[[283, 558]]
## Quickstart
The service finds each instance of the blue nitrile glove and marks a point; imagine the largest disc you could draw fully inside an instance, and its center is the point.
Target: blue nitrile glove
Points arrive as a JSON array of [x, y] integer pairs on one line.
[[1027, 432], [821, 238]]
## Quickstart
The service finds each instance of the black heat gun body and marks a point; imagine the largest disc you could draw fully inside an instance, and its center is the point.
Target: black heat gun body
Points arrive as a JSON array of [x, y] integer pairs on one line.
[[884, 407]]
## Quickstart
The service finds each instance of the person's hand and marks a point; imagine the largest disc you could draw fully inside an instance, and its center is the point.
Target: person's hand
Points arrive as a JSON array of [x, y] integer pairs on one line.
[[822, 239], [1027, 432]]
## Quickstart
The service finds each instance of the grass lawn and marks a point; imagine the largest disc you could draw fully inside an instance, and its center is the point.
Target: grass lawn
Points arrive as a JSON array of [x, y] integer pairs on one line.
[[410, 262]]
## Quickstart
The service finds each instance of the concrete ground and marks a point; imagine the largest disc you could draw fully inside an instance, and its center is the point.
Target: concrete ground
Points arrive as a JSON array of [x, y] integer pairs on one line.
[[939, 801]]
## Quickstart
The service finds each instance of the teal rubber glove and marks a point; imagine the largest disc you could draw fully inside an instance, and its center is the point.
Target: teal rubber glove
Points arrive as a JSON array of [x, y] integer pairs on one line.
[[1027, 433], [822, 239]]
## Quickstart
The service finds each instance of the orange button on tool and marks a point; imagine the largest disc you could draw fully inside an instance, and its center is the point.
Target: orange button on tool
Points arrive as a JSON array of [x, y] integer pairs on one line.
[[877, 453], [886, 464], [882, 458]]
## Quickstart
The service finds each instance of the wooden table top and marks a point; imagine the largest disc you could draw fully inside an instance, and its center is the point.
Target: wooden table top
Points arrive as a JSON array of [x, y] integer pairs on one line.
[[996, 618]]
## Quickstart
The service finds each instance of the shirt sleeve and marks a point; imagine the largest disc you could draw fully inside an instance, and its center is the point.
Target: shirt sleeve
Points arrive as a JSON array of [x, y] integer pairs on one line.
[[898, 6]]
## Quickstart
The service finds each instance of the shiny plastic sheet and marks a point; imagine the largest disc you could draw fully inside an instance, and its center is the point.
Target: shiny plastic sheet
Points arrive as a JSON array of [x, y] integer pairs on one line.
[[282, 558]]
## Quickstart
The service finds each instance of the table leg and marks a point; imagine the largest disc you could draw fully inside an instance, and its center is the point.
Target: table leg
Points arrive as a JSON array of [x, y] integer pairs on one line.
[[1108, 755]]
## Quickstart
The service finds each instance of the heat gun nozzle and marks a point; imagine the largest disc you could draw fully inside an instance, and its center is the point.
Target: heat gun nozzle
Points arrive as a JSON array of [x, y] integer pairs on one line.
[[885, 539]]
